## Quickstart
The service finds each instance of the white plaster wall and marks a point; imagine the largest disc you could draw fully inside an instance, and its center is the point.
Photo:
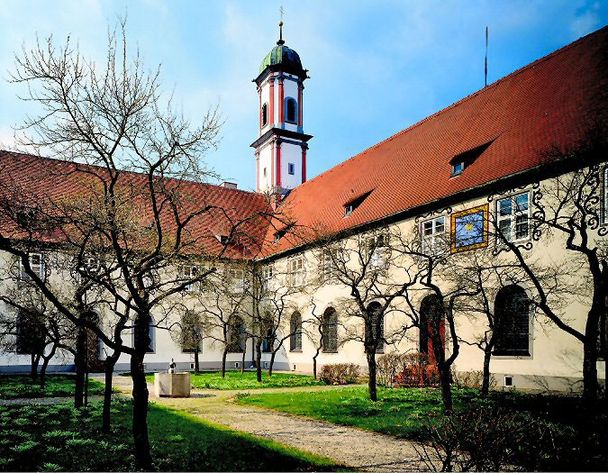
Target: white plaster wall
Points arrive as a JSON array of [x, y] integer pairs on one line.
[[290, 89], [265, 161], [266, 99], [554, 353], [291, 153]]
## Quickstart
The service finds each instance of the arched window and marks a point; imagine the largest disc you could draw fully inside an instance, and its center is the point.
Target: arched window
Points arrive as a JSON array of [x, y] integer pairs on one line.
[[151, 336], [237, 336], [295, 329], [267, 330], [291, 110], [191, 332], [264, 115], [375, 319], [31, 338], [330, 330], [431, 321], [512, 322]]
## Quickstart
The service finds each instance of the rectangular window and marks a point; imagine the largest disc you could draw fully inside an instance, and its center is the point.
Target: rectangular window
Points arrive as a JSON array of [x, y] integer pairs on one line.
[[296, 271], [188, 272], [291, 169], [457, 168], [377, 251], [329, 259], [512, 216], [236, 279], [433, 235], [37, 265]]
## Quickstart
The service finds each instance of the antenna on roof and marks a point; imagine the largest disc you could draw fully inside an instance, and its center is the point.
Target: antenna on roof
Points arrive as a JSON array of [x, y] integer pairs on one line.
[[281, 12], [485, 69]]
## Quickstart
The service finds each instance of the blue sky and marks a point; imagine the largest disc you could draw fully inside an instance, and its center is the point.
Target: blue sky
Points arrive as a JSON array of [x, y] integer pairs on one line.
[[376, 67]]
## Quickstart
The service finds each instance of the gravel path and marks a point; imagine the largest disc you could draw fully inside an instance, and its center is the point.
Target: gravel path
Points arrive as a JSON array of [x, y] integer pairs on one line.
[[349, 446]]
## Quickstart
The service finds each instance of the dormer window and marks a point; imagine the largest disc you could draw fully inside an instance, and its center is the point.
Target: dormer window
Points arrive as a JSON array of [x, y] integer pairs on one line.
[[465, 159], [457, 168], [350, 207], [282, 232], [223, 239]]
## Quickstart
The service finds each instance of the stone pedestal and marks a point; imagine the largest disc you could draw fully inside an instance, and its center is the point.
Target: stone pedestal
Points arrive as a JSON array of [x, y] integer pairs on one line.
[[172, 384]]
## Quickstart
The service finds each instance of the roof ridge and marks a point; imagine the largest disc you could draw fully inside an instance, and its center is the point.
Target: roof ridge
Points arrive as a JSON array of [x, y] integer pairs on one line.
[[75, 163], [466, 98]]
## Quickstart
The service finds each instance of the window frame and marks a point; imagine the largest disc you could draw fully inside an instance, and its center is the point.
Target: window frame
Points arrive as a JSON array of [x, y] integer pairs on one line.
[[41, 272], [295, 337], [329, 312], [289, 100], [264, 111], [511, 353], [188, 271], [434, 235], [515, 213], [296, 271], [377, 254], [458, 168], [236, 280]]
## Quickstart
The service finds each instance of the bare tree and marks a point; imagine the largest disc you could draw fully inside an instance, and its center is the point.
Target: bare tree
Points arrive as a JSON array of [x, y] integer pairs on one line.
[[568, 211], [223, 304], [364, 266], [107, 123], [484, 276]]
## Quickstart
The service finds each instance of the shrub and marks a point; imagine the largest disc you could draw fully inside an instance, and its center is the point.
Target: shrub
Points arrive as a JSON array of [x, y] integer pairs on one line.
[[495, 439], [339, 373], [417, 371], [471, 379], [388, 366]]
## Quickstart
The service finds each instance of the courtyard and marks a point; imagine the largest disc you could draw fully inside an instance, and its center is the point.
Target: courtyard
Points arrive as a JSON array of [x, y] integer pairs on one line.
[[311, 427]]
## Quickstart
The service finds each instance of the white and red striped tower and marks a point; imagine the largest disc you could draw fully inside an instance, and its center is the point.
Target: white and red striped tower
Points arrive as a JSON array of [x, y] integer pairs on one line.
[[280, 150]]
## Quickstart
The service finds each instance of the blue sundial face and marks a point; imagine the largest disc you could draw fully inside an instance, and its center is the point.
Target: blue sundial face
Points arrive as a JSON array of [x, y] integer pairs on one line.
[[469, 229]]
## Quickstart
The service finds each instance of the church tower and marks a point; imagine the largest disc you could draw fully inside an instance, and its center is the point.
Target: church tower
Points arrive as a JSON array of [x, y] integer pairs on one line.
[[280, 150]]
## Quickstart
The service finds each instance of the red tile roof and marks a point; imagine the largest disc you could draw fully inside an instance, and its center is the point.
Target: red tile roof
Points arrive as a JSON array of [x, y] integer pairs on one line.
[[550, 102], [24, 176]]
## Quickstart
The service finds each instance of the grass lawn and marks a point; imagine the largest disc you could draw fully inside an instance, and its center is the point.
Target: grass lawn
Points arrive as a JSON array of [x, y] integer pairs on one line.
[[398, 412], [57, 385], [247, 380], [60, 438], [576, 441]]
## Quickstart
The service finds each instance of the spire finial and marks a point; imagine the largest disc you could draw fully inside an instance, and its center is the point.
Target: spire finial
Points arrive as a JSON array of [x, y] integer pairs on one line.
[[280, 41]]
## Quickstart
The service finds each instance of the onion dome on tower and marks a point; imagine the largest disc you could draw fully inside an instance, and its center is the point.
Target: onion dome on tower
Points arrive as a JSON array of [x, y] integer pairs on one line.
[[281, 146]]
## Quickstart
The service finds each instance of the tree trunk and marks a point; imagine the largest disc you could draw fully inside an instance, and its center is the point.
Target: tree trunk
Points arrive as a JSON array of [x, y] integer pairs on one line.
[[140, 413], [45, 364], [258, 360], [197, 366], [79, 361], [243, 359], [446, 388], [273, 355], [140, 393], [107, 391], [35, 361], [371, 370], [314, 363], [590, 384], [224, 355], [485, 385]]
